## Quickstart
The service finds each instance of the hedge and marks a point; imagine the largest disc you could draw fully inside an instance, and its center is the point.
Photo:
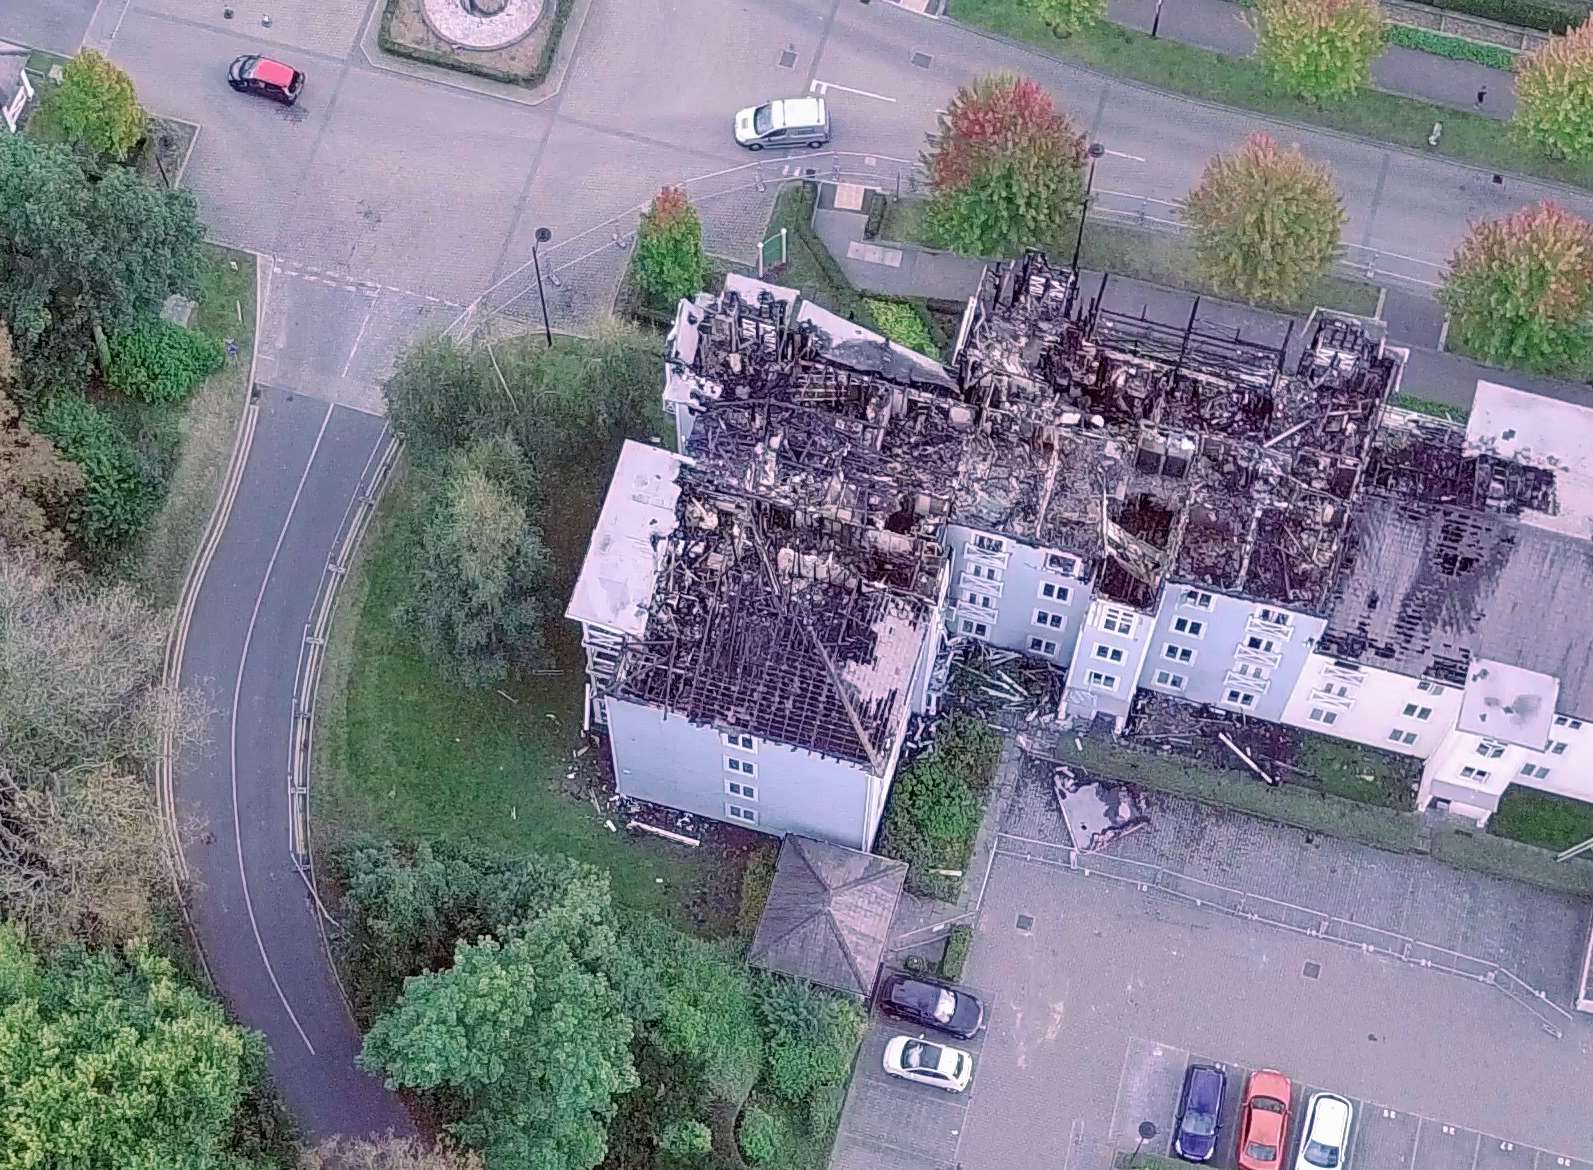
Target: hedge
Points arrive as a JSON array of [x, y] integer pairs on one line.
[[958, 940], [1454, 48], [936, 804], [904, 323], [535, 77], [118, 496], [1539, 14]]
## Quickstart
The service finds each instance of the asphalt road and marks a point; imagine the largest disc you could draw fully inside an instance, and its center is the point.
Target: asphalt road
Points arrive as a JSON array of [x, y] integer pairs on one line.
[[385, 201]]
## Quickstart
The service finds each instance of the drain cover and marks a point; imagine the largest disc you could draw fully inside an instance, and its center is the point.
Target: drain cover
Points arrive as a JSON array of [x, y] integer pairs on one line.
[[1311, 970], [923, 60], [1026, 922], [788, 59]]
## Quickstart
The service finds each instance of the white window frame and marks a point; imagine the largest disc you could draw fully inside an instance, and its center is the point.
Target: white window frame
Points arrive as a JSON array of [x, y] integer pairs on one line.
[[1400, 735], [1251, 671], [1053, 591], [1170, 680], [1173, 652], [989, 544], [740, 813], [1101, 681], [1115, 620], [1428, 686], [741, 767], [1267, 645], [984, 572], [739, 740], [1050, 621], [1198, 598], [1557, 747], [1062, 563], [1417, 712], [1237, 698], [1567, 721], [1112, 654], [1490, 749], [1535, 771], [1190, 627], [1041, 646], [1323, 716], [740, 790], [972, 628], [1470, 773], [1274, 617]]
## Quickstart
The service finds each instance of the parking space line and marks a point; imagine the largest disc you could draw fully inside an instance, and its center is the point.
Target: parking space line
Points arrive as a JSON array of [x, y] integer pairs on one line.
[[823, 87]]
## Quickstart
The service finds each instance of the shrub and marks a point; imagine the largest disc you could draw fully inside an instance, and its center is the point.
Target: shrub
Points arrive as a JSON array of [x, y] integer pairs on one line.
[[1554, 96], [935, 806], [764, 1138], [1520, 291], [1454, 48], [1319, 49], [669, 259], [812, 1034], [1266, 222], [1538, 14], [958, 940], [683, 1141], [903, 324], [824, 1108], [756, 881], [95, 107], [1066, 17], [118, 496], [157, 361]]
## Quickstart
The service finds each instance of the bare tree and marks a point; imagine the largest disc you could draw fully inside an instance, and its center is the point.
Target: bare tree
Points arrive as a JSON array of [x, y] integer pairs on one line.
[[390, 1153]]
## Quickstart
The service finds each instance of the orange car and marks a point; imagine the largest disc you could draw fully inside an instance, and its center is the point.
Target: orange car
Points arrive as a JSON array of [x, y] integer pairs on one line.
[[1264, 1120]]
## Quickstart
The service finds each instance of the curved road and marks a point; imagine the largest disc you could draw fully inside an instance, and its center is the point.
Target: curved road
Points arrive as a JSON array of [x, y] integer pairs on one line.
[[392, 196]]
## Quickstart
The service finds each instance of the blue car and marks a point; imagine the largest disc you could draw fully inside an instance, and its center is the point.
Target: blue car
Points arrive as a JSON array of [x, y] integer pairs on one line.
[[1200, 1104]]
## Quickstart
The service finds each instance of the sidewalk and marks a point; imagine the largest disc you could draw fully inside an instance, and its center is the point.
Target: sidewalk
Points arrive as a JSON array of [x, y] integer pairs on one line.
[[1221, 25]]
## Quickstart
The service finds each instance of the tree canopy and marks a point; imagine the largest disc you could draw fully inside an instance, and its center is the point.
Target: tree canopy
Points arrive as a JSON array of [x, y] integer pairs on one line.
[[1554, 95], [1066, 17], [669, 260], [96, 108], [36, 484], [1321, 50]]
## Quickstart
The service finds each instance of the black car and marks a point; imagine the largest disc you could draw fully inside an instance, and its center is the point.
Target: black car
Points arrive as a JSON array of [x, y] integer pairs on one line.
[[1195, 1132], [934, 1005], [268, 78]]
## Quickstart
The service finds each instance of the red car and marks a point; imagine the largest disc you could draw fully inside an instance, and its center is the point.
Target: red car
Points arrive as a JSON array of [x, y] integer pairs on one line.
[[1264, 1120], [268, 78]]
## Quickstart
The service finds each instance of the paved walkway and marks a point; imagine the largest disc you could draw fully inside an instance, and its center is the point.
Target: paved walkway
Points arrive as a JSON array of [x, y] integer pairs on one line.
[[1222, 26]]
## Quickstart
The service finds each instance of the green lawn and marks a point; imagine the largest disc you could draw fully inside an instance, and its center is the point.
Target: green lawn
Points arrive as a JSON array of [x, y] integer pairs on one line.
[[401, 751], [201, 436], [1156, 256], [1444, 410], [1357, 772], [1541, 818], [1239, 82]]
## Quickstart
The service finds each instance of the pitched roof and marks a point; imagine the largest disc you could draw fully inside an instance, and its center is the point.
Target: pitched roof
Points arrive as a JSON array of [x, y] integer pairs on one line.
[[828, 915]]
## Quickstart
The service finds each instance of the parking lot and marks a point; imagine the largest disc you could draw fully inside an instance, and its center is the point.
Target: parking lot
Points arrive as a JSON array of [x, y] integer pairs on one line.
[[1099, 994]]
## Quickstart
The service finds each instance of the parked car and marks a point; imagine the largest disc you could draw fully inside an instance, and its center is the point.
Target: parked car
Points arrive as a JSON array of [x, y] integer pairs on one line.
[[1195, 1131], [1327, 1133], [930, 1004], [939, 1065], [1264, 1120], [785, 122], [266, 77]]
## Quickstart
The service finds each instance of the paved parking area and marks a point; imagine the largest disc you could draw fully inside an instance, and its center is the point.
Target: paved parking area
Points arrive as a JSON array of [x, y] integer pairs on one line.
[[892, 1123]]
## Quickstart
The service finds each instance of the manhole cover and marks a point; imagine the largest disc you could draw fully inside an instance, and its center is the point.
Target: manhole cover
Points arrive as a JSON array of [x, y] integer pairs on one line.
[[788, 59], [923, 60], [1026, 922], [1311, 970]]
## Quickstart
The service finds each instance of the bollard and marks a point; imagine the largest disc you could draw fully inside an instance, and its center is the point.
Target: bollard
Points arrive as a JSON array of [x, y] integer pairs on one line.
[[1438, 132]]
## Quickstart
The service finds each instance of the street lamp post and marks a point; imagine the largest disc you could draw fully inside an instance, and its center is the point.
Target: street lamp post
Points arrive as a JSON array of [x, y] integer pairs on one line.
[[1147, 1130], [543, 236], [1156, 20], [1096, 151]]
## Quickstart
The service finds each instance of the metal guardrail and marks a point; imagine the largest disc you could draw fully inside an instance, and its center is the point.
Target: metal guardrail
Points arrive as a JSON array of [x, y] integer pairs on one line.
[[1299, 919]]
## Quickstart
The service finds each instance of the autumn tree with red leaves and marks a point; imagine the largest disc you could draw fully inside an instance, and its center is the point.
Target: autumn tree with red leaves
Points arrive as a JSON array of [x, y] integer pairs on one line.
[[1004, 169], [1520, 291], [669, 259], [1554, 95]]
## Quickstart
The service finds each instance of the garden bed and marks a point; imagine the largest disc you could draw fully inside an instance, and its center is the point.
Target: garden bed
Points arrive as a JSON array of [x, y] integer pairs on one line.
[[405, 33]]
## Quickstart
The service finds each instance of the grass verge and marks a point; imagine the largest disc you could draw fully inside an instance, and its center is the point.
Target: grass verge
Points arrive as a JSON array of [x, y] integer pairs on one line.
[[809, 265], [1239, 82], [205, 428], [1443, 410], [1541, 818]]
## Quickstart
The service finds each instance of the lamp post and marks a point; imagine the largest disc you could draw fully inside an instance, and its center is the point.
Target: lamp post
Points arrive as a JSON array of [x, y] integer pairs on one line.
[[1147, 1130], [543, 236], [1156, 20], [1096, 151]]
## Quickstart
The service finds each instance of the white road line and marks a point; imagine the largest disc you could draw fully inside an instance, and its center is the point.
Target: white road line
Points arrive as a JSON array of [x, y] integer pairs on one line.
[[358, 337], [1120, 154], [237, 693], [824, 87]]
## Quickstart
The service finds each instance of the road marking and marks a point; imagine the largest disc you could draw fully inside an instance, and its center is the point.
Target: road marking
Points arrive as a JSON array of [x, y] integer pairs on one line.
[[823, 87], [1120, 154], [358, 337], [237, 695]]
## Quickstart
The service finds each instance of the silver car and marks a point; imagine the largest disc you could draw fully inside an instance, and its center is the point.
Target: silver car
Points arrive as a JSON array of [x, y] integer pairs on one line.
[[784, 122]]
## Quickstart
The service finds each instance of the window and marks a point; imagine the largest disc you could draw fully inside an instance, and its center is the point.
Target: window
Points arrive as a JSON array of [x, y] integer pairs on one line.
[[740, 812], [1490, 750], [984, 572], [1265, 645], [1557, 746], [1535, 771], [1273, 617], [1054, 621], [1339, 691], [1471, 773], [1412, 711], [1166, 678], [1189, 626], [1405, 737], [1105, 682], [1250, 670], [1108, 653], [1567, 721], [1042, 645], [1323, 716], [1051, 591], [1178, 653], [1240, 698], [1197, 599], [990, 544], [736, 739], [1118, 621], [737, 788], [744, 767], [982, 600], [977, 629], [1061, 563], [1429, 687]]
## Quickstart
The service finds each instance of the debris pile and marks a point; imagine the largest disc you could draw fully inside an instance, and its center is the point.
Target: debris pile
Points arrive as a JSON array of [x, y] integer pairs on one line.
[[1097, 811]]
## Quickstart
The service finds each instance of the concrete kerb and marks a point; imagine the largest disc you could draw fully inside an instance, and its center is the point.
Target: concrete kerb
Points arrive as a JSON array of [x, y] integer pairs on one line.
[[574, 26], [1304, 127], [177, 636]]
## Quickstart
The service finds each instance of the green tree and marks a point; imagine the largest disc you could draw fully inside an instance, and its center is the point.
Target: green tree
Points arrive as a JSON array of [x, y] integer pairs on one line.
[[669, 259], [934, 807], [1266, 222], [480, 569], [95, 107], [80, 255], [110, 1062], [1554, 95], [685, 1143], [119, 494], [1066, 17], [765, 1139], [526, 1034], [812, 1034], [1520, 291], [1320, 50], [1004, 169], [157, 361]]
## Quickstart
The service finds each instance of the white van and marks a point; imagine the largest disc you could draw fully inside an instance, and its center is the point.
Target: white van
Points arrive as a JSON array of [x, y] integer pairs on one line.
[[785, 122]]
